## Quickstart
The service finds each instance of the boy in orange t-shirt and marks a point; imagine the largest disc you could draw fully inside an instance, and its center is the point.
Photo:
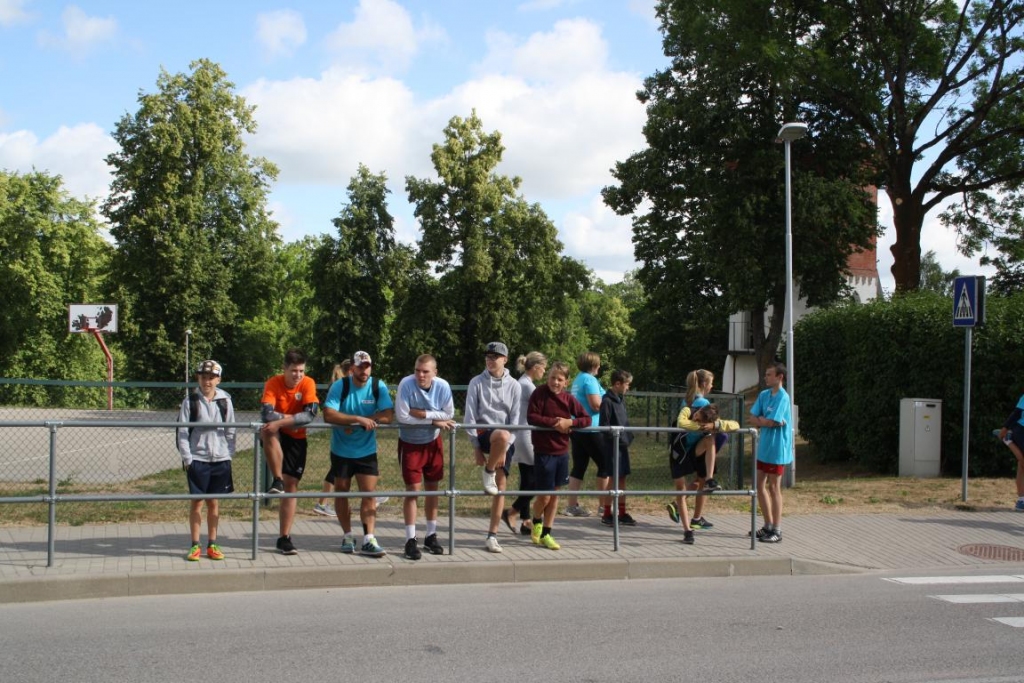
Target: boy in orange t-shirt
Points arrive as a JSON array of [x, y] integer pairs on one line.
[[289, 403]]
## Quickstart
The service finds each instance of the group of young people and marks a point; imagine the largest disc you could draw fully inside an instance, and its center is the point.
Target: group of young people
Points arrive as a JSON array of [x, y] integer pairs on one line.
[[356, 403]]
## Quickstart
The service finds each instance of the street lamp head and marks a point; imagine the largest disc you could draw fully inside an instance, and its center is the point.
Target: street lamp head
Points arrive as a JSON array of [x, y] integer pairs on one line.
[[188, 333], [791, 131]]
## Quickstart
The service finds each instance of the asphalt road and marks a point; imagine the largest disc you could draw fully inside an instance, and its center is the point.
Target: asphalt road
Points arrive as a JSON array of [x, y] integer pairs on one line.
[[861, 629]]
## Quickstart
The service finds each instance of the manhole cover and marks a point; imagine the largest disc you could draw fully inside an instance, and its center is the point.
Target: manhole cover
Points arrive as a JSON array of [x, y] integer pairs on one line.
[[987, 551]]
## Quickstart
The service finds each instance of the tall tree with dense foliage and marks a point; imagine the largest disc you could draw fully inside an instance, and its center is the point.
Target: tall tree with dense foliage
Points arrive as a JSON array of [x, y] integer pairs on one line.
[[188, 210], [498, 258], [354, 275], [52, 254], [707, 194], [936, 90]]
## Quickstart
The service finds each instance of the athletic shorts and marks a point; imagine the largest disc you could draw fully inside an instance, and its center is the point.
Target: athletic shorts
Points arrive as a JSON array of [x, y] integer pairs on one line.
[[329, 477], [686, 466], [770, 468], [624, 468], [347, 468], [294, 450], [550, 471], [1016, 435], [421, 461], [586, 446], [210, 477], [484, 439]]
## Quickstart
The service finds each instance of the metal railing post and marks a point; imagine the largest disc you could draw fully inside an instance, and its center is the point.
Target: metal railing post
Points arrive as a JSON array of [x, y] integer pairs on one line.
[[257, 459], [51, 524], [451, 491]]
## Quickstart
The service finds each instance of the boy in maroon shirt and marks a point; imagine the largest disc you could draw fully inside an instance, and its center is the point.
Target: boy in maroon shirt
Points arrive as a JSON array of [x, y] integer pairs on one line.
[[552, 406]]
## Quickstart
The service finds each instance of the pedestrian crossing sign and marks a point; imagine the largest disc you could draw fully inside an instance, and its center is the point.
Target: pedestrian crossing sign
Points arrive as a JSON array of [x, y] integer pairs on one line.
[[969, 301]]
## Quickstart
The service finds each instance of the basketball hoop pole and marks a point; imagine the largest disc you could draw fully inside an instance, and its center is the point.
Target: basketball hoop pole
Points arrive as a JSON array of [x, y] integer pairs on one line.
[[110, 368]]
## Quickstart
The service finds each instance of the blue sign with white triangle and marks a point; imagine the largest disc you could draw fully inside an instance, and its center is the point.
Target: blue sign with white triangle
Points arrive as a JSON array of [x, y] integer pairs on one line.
[[969, 301]]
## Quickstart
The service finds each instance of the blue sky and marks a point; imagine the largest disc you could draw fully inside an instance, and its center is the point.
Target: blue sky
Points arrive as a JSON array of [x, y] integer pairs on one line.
[[361, 81]]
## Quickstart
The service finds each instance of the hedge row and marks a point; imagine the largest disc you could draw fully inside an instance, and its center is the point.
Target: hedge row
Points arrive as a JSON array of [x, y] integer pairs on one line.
[[855, 362]]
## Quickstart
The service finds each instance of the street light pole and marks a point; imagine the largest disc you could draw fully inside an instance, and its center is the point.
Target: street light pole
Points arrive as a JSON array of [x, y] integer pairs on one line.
[[188, 336], [787, 134]]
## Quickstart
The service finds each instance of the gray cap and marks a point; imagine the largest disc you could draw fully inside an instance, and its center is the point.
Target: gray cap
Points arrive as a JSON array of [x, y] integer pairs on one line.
[[209, 367], [498, 348]]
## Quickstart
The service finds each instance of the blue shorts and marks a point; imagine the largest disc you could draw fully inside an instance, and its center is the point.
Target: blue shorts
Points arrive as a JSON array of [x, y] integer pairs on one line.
[[209, 477], [484, 439], [550, 471]]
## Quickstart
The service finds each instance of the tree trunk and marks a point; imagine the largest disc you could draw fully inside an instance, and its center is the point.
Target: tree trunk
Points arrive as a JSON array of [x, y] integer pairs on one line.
[[907, 217]]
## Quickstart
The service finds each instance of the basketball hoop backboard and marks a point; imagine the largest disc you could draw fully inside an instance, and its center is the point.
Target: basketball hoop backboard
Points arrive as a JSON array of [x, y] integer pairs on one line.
[[92, 318]]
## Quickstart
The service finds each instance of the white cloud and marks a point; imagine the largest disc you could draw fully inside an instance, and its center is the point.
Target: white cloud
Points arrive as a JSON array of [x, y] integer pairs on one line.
[[82, 33], [543, 5], [280, 32], [75, 153], [12, 12], [600, 237], [573, 47], [381, 39]]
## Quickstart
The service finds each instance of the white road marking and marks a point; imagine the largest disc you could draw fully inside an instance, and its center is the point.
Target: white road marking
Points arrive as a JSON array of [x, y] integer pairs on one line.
[[980, 599], [1016, 622], [929, 580]]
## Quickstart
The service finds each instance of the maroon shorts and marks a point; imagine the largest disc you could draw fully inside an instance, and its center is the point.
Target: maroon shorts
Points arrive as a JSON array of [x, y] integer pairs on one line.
[[421, 461], [769, 468]]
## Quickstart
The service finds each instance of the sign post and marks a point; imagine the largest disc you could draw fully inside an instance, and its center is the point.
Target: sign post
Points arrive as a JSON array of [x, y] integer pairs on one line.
[[96, 319], [968, 312]]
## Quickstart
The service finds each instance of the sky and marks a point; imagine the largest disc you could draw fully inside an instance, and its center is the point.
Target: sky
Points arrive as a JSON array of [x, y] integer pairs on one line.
[[340, 83]]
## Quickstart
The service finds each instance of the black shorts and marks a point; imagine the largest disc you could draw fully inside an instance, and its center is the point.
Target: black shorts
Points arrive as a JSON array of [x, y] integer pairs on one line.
[[293, 462], [624, 468], [347, 468], [210, 477], [587, 446], [690, 464], [484, 439], [550, 471]]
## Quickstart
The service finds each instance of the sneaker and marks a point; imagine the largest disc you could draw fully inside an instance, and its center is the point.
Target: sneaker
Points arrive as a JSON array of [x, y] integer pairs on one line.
[[760, 533], [536, 532], [700, 523], [285, 545], [771, 537], [549, 542], [688, 537], [213, 552], [194, 553], [348, 544], [371, 548], [711, 485], [606, 520], [492, 544], [1019, 507], [577, 511], [627, 519], [411, 551], [325, 510], [276, 486], [432, 546], [673, 512], [382, 499], [490, 483]]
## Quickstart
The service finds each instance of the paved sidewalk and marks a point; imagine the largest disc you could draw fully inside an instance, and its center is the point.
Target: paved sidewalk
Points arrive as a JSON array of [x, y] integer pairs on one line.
[[131, 559]]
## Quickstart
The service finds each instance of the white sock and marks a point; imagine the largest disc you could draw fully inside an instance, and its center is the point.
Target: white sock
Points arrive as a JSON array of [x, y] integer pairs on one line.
[[431, 527], [410, 531]]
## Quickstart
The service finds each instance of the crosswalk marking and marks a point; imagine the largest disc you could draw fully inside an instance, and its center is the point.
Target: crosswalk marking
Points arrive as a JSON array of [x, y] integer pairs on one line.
[[928, 580], [980, 599], [1016, 622]]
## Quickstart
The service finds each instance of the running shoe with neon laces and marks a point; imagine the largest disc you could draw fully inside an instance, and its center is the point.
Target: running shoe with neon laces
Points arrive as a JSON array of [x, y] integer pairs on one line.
[[700, 523], [213, 552], [432, 546], [549, 542], [673, 512], [194, 553], [371, 548], [538, 529], [348, 544]]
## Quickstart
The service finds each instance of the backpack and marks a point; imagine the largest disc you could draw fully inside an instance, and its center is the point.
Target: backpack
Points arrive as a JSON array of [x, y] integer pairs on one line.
[[193, 411], [346, 385], [677, 446]]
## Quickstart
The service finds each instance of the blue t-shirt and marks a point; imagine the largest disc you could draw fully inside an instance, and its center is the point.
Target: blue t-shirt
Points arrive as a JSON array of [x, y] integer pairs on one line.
[[775, 445], [692, 438], [352, 441], [586, 385], [1020, 404]]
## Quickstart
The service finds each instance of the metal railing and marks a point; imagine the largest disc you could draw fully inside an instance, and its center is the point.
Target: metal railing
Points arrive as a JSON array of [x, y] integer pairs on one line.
[[52, 498]]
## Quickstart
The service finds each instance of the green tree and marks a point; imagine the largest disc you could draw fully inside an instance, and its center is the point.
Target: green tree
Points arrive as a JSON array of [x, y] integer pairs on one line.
[[501, 272], [188, 210], [354, 275], [707, 194], [934, 279], [51, 254], [936, 90]]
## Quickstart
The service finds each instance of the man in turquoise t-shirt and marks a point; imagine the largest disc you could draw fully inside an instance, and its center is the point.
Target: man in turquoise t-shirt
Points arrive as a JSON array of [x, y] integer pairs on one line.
[[356, 409]]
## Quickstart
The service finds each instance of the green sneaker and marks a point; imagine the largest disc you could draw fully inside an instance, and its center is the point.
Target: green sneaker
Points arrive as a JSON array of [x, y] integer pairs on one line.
[[194, 553], [549, 542], [673, 512], [535, 533]]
